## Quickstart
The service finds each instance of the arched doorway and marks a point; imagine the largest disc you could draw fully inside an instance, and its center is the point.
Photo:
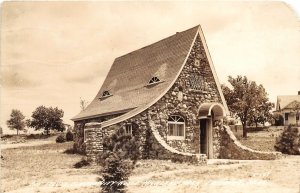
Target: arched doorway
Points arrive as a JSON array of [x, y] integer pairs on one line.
[[208, 113]]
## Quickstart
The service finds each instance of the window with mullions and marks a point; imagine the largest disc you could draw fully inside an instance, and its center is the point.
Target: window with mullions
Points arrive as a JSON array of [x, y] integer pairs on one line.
[[176, 127], [128, 129]]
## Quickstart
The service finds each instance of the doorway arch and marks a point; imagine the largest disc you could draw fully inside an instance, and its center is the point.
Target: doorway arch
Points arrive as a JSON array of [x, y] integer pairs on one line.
[[207, 114]]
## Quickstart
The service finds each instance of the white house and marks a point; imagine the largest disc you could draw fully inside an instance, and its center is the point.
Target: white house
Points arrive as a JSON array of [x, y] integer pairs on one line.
[[289, 107]]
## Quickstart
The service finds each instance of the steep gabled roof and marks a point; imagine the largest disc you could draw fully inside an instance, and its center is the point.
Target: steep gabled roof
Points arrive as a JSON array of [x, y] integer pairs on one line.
[[284, 102], [129, 75]]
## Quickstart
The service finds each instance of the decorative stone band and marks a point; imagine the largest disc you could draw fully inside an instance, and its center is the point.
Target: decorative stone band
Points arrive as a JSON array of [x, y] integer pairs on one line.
[[173, 154], [231, 148]]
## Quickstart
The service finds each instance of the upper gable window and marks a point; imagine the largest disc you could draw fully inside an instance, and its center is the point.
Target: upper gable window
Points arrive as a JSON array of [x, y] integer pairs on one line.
[[154, 80]]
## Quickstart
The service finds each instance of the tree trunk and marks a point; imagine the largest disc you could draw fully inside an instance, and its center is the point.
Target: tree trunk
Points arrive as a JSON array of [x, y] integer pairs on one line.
[[244, 130], [256, 124], [17, 131]]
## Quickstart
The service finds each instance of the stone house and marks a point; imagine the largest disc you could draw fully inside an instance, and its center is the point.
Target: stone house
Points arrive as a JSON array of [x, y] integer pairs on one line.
[[289, 107], [169, 92]]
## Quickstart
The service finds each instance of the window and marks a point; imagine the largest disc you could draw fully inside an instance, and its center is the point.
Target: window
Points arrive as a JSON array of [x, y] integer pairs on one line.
[[176, 127], [154, 80], [105, 94], [297, 117], [128, 129], [286, 116]]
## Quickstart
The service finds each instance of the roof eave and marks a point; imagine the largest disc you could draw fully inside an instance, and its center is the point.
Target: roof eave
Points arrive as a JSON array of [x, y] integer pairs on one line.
[[101, 115]]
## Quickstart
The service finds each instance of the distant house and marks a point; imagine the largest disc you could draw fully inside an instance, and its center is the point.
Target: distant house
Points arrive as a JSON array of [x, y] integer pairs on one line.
[[289, 107]]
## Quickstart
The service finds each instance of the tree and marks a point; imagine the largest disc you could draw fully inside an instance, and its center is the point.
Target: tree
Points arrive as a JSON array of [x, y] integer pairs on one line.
[[261, 113], [16, 120], [47, 118], [121, 152], [83, 104], [247, 100]]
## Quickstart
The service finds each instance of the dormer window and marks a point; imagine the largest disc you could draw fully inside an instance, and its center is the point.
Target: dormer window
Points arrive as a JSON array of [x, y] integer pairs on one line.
[[154, 80], [105, 94]]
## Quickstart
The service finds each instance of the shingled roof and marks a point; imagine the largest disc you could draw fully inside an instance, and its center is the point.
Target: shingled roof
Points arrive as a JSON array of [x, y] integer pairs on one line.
[[129, 75], [127, 81], [283, 102]]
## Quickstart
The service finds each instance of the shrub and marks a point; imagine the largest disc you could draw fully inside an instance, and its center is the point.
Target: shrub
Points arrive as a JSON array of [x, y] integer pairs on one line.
[[278, 119], [289, 141], [60, 139], [69, 136], [118, 160], [81, 163]]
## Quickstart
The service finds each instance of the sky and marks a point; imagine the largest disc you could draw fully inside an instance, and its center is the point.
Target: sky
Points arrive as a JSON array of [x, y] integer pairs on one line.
[[54, 53]]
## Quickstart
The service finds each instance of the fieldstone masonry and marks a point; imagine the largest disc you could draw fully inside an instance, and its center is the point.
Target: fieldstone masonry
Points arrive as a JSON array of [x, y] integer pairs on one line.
[[94, 136], [231, 148]]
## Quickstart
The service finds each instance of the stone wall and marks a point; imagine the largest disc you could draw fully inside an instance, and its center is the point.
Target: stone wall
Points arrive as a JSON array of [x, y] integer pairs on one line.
[[231, 148], [79, 126], [93, 143], [153, 146], [216, 134]]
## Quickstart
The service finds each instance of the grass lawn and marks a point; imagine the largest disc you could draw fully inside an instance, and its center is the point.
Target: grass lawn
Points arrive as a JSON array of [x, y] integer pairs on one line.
[[42, 168], [46, 168]]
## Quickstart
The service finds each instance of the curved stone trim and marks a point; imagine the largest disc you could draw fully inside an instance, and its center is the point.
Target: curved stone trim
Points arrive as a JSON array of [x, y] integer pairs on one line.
[[188, 157], [231, 148]]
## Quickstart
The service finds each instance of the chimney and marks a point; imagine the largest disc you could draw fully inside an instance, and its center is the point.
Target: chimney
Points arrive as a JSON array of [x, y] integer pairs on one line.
[[298, 92]]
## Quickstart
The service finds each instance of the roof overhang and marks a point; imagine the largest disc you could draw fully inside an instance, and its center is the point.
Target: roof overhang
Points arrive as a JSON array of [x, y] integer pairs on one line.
[[101, 115]]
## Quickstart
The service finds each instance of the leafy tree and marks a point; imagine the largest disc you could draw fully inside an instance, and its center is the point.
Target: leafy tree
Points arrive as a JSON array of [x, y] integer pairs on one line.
[[16, 120], [47, 118], [27, 122], [247, 101], [121, 152], [261, 113]]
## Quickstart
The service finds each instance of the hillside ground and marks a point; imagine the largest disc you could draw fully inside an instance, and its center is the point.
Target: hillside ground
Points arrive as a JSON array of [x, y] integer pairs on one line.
[[46, 168]]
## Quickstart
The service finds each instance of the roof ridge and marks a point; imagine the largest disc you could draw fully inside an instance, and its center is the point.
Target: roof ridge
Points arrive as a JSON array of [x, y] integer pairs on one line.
[[177, 33]]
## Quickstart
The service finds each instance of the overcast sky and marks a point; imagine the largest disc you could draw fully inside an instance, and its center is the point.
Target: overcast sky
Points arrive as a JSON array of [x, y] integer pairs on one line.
[[53, 53]]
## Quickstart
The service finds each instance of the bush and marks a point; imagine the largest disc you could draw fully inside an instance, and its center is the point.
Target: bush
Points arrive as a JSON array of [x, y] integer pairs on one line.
[[289, 141], [81, 163], [118, 160], [60, 139], [69, 136], [278, 119]]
